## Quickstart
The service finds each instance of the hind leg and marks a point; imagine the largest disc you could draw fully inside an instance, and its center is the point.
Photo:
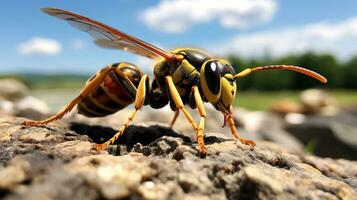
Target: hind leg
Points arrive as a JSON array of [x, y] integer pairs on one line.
[[139, 102], [91, 85]]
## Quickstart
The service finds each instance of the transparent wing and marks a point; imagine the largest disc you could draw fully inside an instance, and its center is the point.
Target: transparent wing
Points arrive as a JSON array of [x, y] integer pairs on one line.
[[108, 37]]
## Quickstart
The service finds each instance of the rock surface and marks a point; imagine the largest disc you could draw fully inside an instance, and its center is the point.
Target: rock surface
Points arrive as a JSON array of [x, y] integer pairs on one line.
[[31, 107], [155, 162], [14, 101], [311, 101], [12, 89], [332, 136]]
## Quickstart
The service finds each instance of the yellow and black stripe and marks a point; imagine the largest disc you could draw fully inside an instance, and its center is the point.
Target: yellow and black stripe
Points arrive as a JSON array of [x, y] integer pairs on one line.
[[115, 93]]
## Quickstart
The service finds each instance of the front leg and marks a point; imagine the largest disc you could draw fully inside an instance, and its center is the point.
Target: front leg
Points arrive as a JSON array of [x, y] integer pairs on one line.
[[179, 104], [235, 133], [178, 101], [201, 110]]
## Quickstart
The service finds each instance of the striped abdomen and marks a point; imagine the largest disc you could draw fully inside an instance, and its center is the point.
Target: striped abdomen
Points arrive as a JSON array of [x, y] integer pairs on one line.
[[115, 93]]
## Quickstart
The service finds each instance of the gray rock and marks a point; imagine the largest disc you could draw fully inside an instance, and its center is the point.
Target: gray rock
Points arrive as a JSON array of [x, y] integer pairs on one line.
[[12, 89], [6, 107], [270, 127], [31, 107], [55, 162], [334, 136], [318, 101]]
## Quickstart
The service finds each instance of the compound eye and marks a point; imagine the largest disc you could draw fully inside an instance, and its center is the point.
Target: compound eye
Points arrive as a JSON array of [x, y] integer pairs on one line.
[[213, 76]]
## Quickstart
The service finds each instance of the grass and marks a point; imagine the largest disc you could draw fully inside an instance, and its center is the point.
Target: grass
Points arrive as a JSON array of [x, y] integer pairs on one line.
[[346, 97], [259, 100], [263, 100]]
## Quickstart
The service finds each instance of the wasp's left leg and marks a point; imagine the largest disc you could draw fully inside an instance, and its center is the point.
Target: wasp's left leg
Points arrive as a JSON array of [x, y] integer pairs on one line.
[[139, 102], [201, 125], [235, 133]]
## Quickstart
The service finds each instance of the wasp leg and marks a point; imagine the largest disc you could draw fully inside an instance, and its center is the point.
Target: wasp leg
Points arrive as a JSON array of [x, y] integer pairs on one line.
[[179, 104], [139, 102], [178, 101], [201, 125], [174, 119], [91, 85], [235, 133]]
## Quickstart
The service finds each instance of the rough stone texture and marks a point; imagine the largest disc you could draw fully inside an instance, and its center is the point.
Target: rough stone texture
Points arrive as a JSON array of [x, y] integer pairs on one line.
[[155, 162]]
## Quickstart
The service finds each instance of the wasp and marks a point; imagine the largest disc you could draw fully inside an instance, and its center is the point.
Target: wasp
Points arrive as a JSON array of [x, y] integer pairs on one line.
[[184, 76]]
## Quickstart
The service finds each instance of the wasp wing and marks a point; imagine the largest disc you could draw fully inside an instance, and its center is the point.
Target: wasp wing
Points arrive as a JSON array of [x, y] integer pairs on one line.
[[108, 37]]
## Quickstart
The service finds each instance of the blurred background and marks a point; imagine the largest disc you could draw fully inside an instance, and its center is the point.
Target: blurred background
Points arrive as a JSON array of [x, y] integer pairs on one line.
[[44, 62]]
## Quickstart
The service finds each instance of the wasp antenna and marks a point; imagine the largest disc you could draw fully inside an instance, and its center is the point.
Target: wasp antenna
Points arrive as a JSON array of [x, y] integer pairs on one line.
[[283, 67], [243, 73]]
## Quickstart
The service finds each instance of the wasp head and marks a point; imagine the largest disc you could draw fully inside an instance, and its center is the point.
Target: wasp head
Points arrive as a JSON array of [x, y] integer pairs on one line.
[[218, 84]]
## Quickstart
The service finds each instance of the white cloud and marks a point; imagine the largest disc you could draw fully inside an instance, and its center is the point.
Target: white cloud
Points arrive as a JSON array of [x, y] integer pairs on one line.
[[40, 46], [178, 15], [145, 64], [338, 38]]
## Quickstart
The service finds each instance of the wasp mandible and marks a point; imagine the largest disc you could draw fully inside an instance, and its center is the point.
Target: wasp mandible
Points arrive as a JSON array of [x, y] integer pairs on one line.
[[182, 76]]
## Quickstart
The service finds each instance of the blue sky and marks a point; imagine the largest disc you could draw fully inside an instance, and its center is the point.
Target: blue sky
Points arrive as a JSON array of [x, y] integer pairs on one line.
[[244, 27]]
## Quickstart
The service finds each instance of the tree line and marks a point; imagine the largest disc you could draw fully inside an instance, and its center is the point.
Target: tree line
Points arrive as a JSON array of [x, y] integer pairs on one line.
[[342, 75]]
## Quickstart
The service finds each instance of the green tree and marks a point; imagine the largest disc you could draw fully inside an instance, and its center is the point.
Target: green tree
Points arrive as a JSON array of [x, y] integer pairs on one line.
[[324, 64], [350, 74], [338, 75]]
